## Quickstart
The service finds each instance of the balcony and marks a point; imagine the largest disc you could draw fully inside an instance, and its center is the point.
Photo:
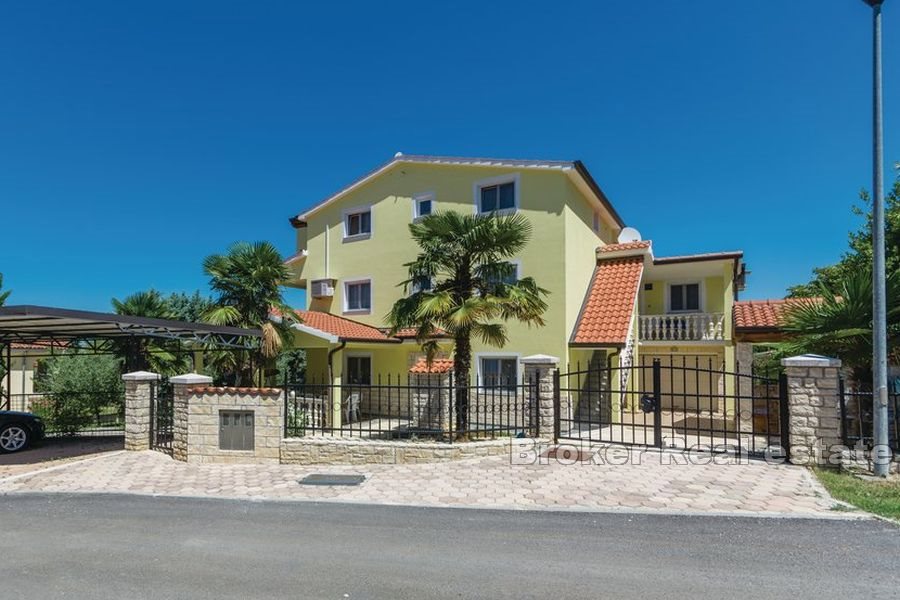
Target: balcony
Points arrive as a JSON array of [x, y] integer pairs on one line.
[[686, 327]]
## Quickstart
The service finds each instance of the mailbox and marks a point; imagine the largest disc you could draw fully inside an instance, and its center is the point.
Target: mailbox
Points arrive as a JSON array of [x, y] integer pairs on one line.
[[236, 430]]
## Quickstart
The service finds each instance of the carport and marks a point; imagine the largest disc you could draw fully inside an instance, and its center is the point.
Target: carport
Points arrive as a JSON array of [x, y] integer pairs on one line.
[[63, 329]]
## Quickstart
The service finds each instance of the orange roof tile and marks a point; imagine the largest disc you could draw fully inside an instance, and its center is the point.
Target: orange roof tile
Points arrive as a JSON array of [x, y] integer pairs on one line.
[[344, 329], [606, 314], [764, 314], [39, 345], [409, 333], [438, 365], [626, 246]]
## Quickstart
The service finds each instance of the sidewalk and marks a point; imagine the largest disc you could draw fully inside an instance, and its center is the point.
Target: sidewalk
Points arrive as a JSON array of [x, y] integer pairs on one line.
[[740, 489]]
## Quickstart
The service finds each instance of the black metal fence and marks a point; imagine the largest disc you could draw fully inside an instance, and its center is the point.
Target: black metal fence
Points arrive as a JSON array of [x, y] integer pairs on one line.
[[674, 403], [76, 413], [857, 417], [162, 416], [412, 407]]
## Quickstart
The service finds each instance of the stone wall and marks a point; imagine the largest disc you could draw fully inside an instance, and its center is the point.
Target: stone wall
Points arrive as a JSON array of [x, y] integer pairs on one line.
[[344, 451], [204, 407]]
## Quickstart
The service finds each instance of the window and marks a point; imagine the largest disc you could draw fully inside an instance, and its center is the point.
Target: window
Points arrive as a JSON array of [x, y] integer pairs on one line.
[[499, 372], [509, 279], [359, 370], [358, 296], [501, 196], [423, 205], [421, 284], [358, 223], [684, 297]]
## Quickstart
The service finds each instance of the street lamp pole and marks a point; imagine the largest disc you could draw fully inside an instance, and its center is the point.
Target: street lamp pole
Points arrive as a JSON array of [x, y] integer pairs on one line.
[[879, 317]]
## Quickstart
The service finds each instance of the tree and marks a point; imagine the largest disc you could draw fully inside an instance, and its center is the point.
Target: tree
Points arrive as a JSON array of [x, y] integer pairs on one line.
[[188, 308], [463, 284], [3, 295], [859, 254], [81, 388], [838, 322], [247, 283], [142, 354]]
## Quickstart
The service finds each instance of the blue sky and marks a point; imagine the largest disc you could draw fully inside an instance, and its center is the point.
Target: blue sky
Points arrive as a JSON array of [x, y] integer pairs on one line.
[[137, 138]]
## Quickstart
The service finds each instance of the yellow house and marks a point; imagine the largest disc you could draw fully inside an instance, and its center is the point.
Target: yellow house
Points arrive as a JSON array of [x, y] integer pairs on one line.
[[613, 301], [18, 384]]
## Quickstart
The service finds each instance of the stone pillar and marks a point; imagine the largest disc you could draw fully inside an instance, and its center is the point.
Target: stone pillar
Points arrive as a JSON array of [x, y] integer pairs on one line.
[[744, 367], [180, 394], [541, 369], [138, 396], [432, 397], [814, 409]]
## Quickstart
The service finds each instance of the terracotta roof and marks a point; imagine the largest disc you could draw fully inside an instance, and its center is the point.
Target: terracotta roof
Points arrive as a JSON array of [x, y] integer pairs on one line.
[[35, 345], [343, 329], [606, 315], [209, 389], [409, 333], [438, 365], [626, 246], [764, 314]]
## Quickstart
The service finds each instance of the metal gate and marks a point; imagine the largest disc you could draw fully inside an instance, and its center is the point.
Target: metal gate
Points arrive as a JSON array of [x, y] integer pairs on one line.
[[162, 416], [676, 403]]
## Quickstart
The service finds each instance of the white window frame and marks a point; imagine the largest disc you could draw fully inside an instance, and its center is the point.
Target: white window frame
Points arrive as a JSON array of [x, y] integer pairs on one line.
[[346, 298], [346, 373], [347, 212], [499, 180], [479, 377], [701, 290], [419, 198]]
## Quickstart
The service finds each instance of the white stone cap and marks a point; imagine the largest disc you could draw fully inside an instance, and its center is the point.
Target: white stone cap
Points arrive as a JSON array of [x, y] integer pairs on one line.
[[540, 359], [190, 379], [810, 360], [141, 376]]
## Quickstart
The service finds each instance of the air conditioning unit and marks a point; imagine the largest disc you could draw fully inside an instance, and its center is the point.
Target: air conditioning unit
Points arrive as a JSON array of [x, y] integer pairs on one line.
[[322, 288]]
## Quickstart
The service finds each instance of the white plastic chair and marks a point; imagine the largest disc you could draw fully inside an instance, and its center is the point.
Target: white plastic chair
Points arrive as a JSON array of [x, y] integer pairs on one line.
[[351, 408]]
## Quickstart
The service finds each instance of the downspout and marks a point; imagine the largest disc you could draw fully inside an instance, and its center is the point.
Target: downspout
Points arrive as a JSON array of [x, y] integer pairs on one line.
[[610, 356], [333, 419], [331, 354]]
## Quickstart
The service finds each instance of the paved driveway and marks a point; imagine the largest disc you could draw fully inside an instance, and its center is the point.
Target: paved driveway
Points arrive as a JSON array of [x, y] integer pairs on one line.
[[754, 488], [53, 452]]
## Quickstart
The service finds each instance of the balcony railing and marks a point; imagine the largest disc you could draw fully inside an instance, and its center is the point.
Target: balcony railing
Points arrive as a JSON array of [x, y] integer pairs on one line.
[[687, 327]]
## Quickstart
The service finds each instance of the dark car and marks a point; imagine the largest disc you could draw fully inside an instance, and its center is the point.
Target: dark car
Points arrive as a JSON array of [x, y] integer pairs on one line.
[[18, 430]]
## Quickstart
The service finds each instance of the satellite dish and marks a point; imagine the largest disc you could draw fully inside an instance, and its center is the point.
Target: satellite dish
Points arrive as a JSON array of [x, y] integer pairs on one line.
[[629, 234]]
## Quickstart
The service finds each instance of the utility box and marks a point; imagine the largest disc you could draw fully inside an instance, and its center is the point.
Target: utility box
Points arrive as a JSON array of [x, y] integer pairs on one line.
[[236, 430]]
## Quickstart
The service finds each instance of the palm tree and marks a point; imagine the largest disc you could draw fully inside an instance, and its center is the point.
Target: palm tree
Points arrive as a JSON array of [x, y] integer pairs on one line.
[[3, 295], [140, 353], [247, 283], [838, 322], [463, 284]]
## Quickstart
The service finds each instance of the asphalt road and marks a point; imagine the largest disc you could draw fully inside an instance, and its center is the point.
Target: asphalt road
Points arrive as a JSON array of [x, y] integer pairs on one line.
[[132, 547]]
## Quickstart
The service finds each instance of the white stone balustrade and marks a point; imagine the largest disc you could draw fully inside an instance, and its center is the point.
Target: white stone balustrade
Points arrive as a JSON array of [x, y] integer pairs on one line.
[[684, 327]]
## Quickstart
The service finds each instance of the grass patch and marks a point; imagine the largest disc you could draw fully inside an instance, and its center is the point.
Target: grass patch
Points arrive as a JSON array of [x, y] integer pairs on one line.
[[878, 497]]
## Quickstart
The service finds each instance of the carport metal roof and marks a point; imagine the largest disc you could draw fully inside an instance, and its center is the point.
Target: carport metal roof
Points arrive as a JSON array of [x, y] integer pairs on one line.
[[52, 325]]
